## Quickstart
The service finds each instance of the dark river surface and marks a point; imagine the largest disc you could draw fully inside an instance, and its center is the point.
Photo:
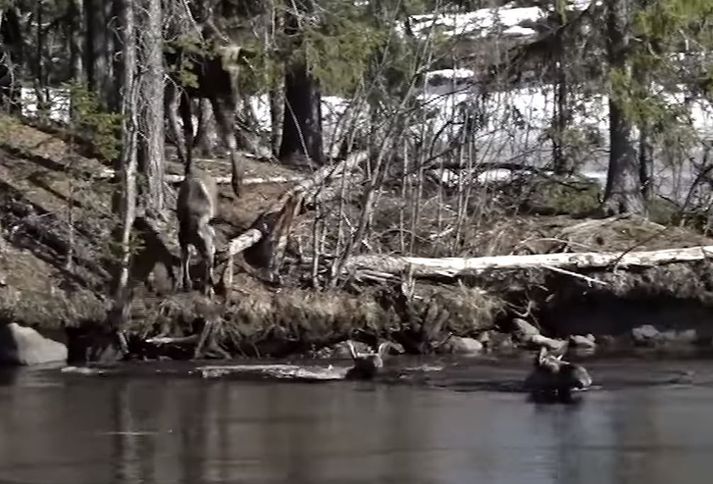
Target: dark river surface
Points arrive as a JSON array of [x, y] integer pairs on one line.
[[644, 422]]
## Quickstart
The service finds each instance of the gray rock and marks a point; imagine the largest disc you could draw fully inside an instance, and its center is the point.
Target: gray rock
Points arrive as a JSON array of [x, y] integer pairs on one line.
[[579, 341], [20, 345], [484, 338], [645, 335], [396, 349], [523, 330], [500, 341], [341, 350], [551, 344], [458, 345], [687, 336]]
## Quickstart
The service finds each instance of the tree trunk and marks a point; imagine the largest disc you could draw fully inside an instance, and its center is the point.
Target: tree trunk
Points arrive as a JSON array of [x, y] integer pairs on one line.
[[302, 128], [97, 61], [40, 80], [108, 87], [277, 114], [561, 162], [127, 187], [12, 39], [623, 192], [151, 154], [277, 100], [646, 162], [76, 39]]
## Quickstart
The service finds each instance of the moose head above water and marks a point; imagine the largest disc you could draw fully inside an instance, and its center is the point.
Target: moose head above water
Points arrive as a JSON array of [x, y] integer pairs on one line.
[[367, 365], [552, 377]]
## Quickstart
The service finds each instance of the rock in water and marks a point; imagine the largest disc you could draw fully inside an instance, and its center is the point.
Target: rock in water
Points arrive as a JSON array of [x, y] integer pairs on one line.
[[579, 341], [523, 330], [20, 345], [539, 341], [458, 345], [645, 335]]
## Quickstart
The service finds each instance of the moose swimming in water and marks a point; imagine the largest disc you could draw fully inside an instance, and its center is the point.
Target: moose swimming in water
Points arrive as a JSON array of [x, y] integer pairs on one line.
[[367, 365], [554, 378]]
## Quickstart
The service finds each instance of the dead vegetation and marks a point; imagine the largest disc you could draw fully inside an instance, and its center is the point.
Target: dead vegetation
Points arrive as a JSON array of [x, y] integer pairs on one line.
[[56, 258]]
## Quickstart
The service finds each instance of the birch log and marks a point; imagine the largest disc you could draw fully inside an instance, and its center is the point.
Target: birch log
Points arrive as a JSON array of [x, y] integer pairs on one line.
[[462, 266], [224, 180]]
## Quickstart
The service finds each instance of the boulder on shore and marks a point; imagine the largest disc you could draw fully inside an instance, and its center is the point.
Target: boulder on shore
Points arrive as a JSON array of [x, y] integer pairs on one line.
[[20, 345], [523, 330], [458, 345], [585, 342]]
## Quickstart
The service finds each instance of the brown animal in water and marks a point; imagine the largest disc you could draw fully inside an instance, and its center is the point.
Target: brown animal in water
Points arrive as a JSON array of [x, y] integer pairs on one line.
[[366, 366], [196, 206], [553, 377]]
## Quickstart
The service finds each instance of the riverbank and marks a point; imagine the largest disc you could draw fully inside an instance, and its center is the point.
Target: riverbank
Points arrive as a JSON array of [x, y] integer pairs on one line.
[[56, 261]]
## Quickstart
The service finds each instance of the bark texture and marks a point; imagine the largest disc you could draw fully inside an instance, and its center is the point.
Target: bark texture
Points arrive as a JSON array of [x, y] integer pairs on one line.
[[623, 193], [152, 109]]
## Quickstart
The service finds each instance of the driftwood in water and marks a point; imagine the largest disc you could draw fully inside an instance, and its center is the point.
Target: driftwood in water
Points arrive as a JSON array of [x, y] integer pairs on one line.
[[267, 236], [462, 266]]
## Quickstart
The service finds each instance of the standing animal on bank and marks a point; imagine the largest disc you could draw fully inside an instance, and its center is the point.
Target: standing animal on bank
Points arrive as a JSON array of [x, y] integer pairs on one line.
[[555, 378], [196, 207], [206, 64], [366, 365]]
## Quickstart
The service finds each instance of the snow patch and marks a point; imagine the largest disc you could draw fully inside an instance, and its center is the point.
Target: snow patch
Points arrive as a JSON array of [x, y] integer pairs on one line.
[[57, 100], [482, 22]]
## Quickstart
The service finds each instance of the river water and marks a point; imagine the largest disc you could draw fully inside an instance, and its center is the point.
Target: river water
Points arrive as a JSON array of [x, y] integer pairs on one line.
[[644, 422]]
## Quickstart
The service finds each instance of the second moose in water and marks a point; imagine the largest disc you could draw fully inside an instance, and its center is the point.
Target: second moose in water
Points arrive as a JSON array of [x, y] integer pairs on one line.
[[366, 365], [553, 378]]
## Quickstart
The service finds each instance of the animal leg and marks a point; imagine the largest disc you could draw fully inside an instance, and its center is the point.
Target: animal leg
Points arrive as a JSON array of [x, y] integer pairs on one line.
[[207, 249], [224, 108], [187, 119], [185, 267]]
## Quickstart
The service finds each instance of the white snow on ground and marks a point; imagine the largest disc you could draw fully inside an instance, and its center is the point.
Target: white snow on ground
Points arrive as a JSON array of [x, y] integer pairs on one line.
[[513, 123], [482, 22], [507, 20], [58, 100]]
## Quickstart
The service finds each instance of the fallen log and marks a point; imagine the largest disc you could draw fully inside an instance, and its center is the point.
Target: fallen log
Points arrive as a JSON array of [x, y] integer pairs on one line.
[[108, 174], [223, 180], [271, 227], [462, 266]]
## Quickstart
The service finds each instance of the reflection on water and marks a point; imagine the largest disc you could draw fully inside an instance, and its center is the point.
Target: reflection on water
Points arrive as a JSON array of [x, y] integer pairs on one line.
[[58, 428]]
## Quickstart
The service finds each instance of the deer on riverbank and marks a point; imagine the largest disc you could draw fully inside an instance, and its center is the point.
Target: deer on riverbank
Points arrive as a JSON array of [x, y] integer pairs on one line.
[[196, 207]]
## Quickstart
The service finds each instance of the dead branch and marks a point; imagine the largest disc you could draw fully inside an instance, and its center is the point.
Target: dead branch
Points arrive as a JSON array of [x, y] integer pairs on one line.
[[267, 236]]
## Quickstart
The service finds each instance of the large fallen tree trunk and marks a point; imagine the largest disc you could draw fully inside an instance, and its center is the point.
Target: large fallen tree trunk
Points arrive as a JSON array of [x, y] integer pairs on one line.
[[270, 229], [463, 266]]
